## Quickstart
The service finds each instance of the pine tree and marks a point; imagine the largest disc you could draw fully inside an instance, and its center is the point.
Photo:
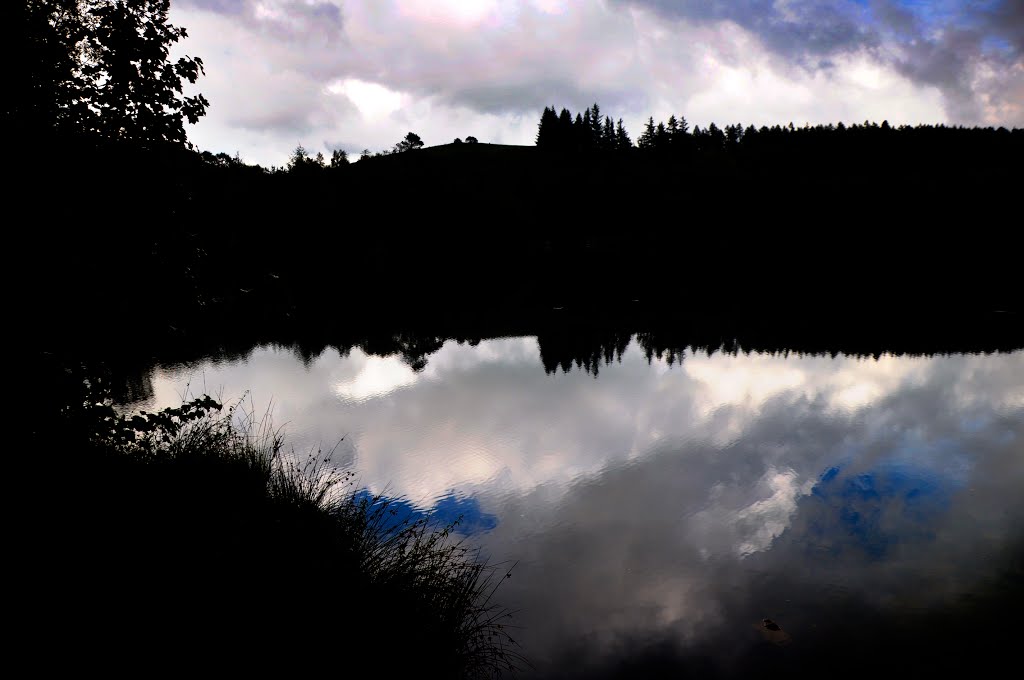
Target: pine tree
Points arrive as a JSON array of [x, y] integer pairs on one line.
[[608, 135], [646, 138], [581, 132], [622, 140], [547, 135], [565, 141], [672, 127], [595, 126]]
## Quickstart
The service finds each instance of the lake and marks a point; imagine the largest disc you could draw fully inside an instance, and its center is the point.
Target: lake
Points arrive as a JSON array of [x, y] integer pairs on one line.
[[657, 507]]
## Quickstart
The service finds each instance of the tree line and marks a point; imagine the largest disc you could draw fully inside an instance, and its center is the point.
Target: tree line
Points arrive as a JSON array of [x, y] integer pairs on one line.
[[591, 131], [154, 224]]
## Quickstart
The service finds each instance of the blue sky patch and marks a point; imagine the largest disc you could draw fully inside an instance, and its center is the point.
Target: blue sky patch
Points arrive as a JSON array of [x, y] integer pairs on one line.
[[445, 511]]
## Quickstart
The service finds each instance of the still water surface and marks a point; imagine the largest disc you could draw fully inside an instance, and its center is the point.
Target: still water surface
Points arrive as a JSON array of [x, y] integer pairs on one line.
[[659, 512]]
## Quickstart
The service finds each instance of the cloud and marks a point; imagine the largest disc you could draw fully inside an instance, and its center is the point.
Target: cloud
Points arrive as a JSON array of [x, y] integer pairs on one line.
[[487, 68], [941, 44], [291, 20], [794, 28]]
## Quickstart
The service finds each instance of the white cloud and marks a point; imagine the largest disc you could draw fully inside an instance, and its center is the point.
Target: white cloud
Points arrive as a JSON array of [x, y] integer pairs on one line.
[[378, 376]]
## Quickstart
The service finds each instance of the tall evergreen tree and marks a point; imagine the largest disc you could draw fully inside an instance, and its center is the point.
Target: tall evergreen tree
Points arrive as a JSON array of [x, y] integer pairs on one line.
[[733, 134], [547, 133], [581, 131], [565, 140], [646, 138], [672, 127], [596, 126], [608, 135], [661, 139], [622, 140]]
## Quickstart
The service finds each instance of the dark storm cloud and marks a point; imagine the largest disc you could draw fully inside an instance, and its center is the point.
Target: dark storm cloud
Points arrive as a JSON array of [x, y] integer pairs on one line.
[[794, 29], [532, 96], [942, 45], [949, 58]]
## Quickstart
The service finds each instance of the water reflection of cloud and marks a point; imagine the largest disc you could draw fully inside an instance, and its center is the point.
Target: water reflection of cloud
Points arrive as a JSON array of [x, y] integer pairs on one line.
[[377, 377], [809, 512], [489, 414], [657, 503]]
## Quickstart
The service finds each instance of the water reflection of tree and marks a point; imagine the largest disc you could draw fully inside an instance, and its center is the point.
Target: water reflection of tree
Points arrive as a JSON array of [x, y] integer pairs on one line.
[[586, 351]]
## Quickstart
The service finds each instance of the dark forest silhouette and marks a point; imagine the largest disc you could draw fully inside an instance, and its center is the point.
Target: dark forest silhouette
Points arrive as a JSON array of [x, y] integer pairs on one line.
[[835, 232]]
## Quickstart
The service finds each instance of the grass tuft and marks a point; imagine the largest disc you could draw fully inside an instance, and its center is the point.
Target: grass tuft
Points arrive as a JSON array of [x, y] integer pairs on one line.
[[206, 540]]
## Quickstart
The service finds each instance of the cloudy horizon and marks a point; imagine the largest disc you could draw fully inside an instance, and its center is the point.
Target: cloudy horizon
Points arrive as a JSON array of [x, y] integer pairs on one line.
[[352, 74]]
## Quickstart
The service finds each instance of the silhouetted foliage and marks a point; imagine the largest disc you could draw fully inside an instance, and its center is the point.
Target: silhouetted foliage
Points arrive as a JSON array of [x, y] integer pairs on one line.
[[102, 68], [410, 142], [339, 159], [184, 515]]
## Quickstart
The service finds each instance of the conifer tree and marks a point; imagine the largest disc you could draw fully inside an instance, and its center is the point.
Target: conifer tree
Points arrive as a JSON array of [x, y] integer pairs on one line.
[[546, 130], [581, 131], [672, 127], [622, 140], [646, 138], [608, 135], [596, 127]]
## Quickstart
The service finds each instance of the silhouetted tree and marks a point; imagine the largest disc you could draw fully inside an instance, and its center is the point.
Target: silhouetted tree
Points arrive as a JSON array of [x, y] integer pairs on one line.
[[565, 140], [471, 140], [622, 140], [672, 128], [48, 84], [584, 132], [102, 67], [339, 158], [547, 133], [300, 160], [411, 142], [608, 135], [661, 138], [596, 126], [646, 138], [715, 138]]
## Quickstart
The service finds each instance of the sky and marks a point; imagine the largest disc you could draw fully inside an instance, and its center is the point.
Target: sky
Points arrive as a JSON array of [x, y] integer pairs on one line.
[[355, 74], [694, 498]]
